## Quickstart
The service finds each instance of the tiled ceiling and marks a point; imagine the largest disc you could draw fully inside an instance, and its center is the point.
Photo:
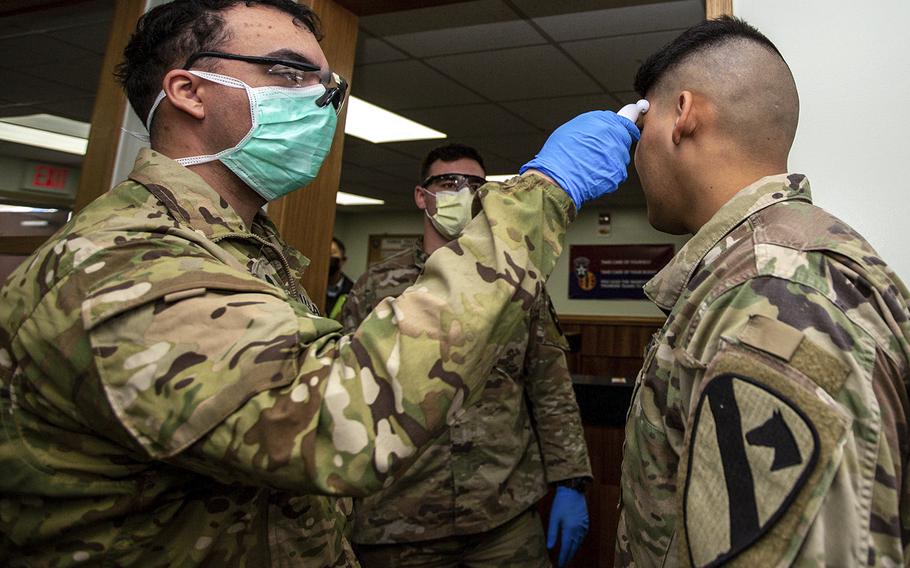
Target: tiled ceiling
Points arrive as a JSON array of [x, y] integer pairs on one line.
[[499, 75], [51, 64], [496, 74]]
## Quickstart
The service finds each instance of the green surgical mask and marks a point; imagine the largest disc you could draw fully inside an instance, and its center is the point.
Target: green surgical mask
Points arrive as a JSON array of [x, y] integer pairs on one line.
[[453, 211], [289, 138]]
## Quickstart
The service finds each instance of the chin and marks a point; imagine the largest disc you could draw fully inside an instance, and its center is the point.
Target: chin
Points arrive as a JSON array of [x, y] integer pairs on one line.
[[665, 223]]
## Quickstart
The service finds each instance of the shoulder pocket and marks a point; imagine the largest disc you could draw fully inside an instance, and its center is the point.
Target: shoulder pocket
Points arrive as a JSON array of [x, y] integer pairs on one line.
[[176, 356], [763, 445]]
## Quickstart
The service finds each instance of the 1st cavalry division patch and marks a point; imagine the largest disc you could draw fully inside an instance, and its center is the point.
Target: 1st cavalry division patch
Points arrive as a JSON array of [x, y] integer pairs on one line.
[[751, 451]]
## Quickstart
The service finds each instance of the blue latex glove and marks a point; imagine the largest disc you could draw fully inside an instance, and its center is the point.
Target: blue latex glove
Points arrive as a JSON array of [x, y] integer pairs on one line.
[[569, 513], [589, 155]]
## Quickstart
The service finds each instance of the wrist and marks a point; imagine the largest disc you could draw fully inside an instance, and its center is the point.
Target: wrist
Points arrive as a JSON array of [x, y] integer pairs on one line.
[[533, 172]]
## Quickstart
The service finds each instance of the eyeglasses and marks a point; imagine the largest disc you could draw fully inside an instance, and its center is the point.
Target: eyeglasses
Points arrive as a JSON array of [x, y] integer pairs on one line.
[[453, 182], [300, 73]]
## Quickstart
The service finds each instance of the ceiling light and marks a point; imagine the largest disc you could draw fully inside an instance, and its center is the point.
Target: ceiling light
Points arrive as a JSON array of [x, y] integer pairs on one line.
[[52, 123], [342, 198], [500, 177], [377, 125], [22, 209], [42, 138]]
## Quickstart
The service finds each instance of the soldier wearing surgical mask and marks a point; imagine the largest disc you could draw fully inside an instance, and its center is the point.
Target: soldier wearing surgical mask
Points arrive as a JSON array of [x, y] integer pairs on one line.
[[471, 497]]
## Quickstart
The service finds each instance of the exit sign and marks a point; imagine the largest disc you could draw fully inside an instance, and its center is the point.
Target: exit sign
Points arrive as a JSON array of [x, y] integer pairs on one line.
[[50, 177]]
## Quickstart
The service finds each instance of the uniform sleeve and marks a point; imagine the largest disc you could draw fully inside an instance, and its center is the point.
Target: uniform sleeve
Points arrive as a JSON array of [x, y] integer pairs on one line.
[[552, 400], [359, 303], [782, 461], [214, 371]]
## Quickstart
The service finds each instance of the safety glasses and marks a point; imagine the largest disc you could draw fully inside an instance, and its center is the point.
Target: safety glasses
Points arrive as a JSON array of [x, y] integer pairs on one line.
[[299, 73], [453, 182]]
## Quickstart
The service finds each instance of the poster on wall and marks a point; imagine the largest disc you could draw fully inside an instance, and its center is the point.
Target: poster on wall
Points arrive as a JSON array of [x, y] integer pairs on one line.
[[614, 272]]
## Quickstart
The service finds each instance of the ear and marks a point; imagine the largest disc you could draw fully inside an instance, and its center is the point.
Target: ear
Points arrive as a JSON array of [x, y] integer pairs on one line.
[[686, 119], [181, 87], [419, 198]]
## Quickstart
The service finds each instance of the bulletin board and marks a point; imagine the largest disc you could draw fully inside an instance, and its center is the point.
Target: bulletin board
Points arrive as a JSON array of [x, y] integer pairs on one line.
[[614, 272], [383, 246]]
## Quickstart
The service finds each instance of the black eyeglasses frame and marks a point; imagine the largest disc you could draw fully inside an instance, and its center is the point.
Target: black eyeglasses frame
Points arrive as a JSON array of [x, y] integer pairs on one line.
[[334, 95]]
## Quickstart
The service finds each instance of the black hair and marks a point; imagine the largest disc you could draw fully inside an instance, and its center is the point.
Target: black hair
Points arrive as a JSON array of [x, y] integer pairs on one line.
[[340, 245], [694, 40], [168, 34], [449, 153]]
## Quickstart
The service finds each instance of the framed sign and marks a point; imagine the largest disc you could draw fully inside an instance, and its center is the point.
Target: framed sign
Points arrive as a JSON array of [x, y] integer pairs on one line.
[[383, 246], [614, 272]]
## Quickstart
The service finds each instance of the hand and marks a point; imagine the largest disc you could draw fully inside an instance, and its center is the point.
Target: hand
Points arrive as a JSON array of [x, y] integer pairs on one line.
[[587, 156], [569, 512]]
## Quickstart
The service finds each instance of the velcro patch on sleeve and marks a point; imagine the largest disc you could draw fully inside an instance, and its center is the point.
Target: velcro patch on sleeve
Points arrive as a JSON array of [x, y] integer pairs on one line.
[[760, 445]]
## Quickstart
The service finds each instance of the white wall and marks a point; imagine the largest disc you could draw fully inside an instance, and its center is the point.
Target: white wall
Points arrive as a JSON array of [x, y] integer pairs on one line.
[[630, 226], [851, 61]]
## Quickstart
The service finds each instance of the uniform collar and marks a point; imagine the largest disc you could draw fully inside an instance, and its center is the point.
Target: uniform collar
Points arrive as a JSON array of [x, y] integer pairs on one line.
[[187, 196], [667, 286], [420, 256]]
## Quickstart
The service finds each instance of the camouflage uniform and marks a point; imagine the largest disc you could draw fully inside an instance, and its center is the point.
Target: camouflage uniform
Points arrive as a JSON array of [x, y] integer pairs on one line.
[[769, 422], [491, 464], [170, 398]]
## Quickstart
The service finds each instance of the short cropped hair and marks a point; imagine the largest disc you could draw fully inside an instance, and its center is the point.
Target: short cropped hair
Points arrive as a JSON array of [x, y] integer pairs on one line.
[[449, 153], [169, 34], [694, 40]]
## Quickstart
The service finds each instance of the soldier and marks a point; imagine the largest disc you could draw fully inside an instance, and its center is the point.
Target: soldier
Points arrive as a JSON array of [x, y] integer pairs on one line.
[[769, 422], [470, 497], [339, 285], [168, 394]]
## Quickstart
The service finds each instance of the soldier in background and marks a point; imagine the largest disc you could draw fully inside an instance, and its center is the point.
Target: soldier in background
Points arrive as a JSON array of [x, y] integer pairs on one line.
[[168, 394], [339, 285], [769, 424], [471, 496]]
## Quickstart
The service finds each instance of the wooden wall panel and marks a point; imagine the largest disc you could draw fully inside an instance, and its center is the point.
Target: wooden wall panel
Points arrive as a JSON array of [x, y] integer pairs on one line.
[[306, 218], [608, 346], [110, 104]]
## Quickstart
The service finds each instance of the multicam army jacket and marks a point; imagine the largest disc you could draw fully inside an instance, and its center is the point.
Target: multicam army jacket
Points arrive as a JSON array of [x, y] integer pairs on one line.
[[769, 423], [496, 457], [170, 398]]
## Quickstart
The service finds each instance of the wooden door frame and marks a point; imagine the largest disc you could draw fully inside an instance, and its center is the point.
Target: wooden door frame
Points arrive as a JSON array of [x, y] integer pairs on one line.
[[717, 8]]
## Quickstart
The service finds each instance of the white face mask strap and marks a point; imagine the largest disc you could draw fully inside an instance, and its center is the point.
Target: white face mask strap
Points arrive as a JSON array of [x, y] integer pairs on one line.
[[148, 118], [221, 79], [213, 77]]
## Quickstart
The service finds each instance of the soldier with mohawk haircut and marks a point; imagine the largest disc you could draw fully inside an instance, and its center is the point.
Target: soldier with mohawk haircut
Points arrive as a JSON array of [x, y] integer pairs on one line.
[[769, 423]]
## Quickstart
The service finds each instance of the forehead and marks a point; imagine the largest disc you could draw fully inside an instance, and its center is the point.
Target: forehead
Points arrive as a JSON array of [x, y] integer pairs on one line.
[[260, 30], [459, 166], [335, 250]]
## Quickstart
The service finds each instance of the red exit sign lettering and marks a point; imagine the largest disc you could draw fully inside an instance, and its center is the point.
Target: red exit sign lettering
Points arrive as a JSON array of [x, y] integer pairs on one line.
[[50, 177]]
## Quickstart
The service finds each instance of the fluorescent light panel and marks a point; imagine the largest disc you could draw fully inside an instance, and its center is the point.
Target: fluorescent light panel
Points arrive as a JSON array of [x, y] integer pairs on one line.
[[42, 138], [22, 209], [377, 125], [501, 177], [52, 123], [342, 198]]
